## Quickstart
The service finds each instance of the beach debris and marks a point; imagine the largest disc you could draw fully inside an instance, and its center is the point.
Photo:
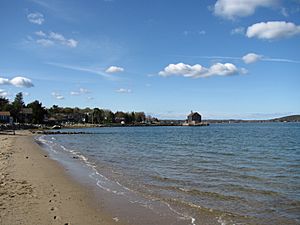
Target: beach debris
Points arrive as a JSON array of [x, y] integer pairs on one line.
[[116, 219]]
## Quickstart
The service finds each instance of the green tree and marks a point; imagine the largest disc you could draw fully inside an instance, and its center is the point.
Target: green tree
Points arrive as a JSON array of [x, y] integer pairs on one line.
[[98, 115], [4, 104], [109, 116], [38, 112], [17, 105], [54, 109], [140, 117]]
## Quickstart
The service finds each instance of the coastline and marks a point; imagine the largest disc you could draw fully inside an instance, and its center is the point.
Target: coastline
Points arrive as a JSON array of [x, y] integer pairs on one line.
[[36, 189], [46, 181]]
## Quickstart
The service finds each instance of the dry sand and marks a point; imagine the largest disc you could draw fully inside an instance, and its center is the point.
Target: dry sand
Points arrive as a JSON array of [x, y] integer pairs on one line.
[[36, 190]]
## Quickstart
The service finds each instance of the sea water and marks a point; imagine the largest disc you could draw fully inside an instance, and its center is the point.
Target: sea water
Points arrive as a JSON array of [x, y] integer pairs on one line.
[[244, 173]]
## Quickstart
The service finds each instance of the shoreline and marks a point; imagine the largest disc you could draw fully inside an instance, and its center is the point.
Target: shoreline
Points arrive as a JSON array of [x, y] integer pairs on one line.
[[46, 186], [37, 190]]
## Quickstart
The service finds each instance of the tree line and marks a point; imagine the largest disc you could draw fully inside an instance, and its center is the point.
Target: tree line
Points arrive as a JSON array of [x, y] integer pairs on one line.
[[38, 114]]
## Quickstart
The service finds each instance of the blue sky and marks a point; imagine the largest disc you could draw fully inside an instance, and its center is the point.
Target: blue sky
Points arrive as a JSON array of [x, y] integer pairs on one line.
[[223, 58]]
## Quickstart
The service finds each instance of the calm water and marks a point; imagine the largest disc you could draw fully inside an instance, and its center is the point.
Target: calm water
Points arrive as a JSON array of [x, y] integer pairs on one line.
[[249, 171]]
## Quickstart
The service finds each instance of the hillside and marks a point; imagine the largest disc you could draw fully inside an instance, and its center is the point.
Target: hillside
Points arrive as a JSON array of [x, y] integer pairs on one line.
[[292, 118]]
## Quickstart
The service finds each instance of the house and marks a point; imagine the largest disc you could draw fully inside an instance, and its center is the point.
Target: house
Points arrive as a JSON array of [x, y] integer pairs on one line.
[[193, 118], [26, 115], [4, 117]]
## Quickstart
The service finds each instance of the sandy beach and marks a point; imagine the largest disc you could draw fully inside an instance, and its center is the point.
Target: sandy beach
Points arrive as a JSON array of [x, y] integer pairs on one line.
[[36, 190]]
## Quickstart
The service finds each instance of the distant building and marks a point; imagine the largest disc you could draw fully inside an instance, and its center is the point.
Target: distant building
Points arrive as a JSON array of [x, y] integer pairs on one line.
[[26, 115], [194, 118], [4, 117]]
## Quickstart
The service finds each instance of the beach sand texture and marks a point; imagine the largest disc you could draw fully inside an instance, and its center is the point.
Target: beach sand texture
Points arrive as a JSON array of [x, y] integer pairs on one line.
[[36, 190]]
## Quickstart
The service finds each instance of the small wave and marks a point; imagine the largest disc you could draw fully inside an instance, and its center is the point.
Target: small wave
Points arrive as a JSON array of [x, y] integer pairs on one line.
[[167, 179], [196, 192], [250, 190]]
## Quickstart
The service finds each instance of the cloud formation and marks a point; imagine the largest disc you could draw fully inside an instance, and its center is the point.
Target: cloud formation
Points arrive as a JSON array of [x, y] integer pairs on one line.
[[17, 82], [197, 70], [4, 81], [238, 30], [81, 91], [273, 30], [231, 9], [36, 18], [114, 69], [45, 42], [123, 90], [53, 38], [84, 69], [40, 33], [251, 58], [57, 95], [3, 93]]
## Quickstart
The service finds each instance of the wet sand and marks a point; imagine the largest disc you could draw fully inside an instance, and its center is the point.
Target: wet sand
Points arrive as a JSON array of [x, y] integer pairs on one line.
[[36, 190]]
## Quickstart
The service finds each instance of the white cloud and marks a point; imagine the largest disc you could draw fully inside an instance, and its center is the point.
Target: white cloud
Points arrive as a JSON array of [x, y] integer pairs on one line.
[[55, 38], [84, 91], [74, 93], [45, 42], [40, 33], [273, 30], [184, 70], [71, 43], [223, 69], [57, 95], [4, 81], [36, 18], [21, 82], [17, 82], [238, 30], [3, 93], [196, 71], [81, 91], [114, 69], [230, 9], [251, 58], [123, 90]]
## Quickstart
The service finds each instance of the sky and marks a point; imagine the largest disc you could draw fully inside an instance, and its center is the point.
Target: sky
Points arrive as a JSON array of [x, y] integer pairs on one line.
[[223, 58]]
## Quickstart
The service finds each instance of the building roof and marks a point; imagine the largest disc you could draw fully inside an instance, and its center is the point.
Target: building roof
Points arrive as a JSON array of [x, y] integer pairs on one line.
[[194, 113], [26, 111], [4, 113]]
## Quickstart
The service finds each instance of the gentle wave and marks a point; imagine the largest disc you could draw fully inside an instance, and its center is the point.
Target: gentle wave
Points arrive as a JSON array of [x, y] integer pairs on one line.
[[250, 170]]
